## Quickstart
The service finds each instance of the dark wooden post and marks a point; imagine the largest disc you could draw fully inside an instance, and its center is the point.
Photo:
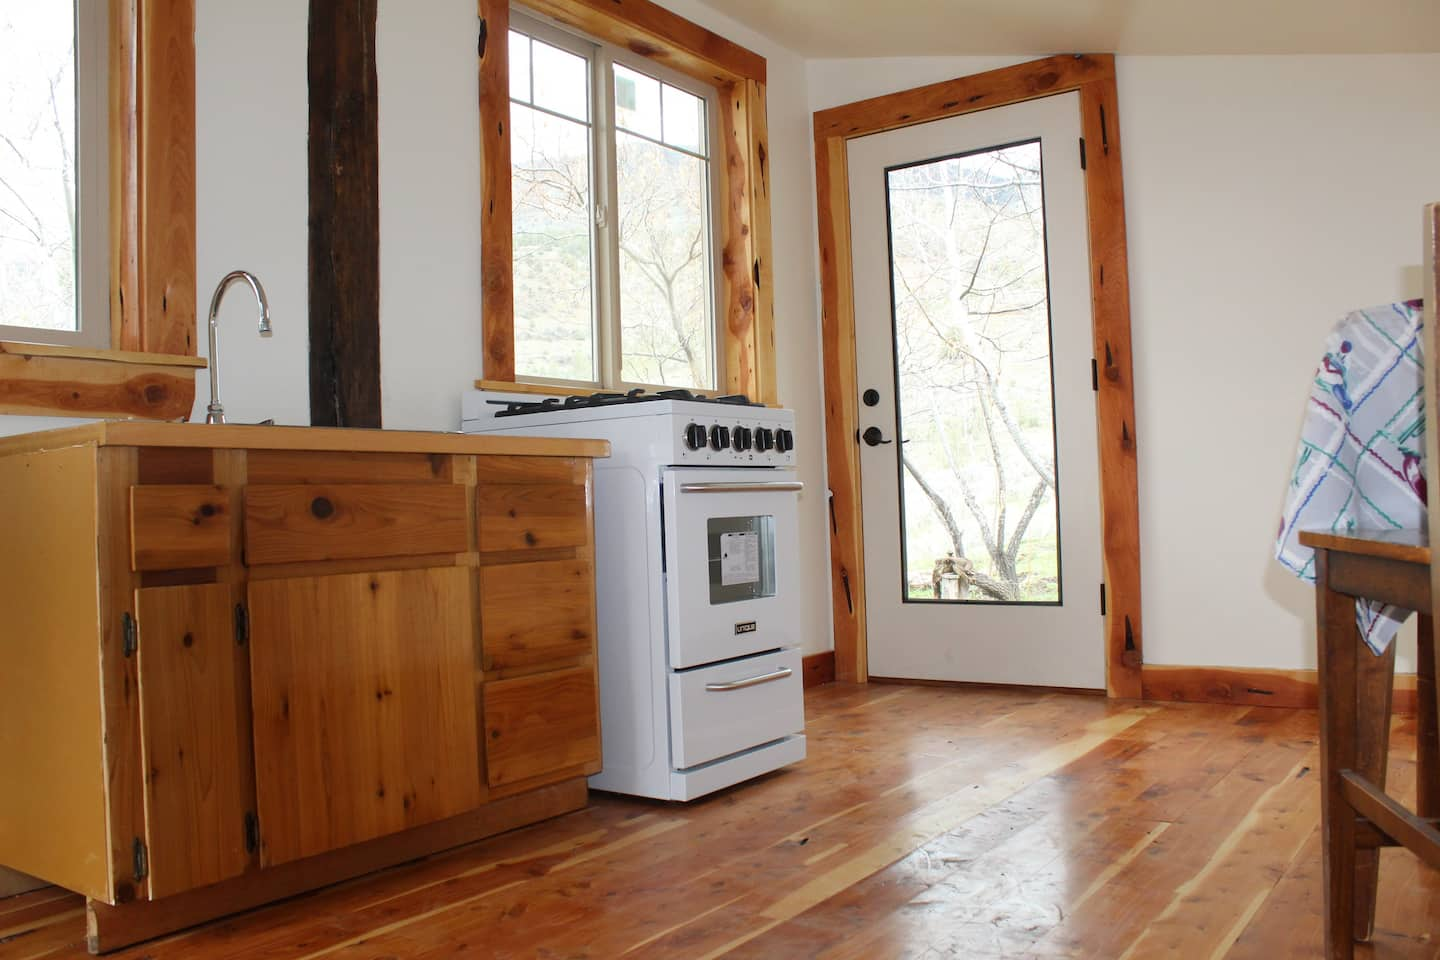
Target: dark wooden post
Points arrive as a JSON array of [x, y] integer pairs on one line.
[[344, 216]]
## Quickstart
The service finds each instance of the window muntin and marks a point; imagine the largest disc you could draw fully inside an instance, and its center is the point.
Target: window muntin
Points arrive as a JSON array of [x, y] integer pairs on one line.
[[53, 177], [633, 302]]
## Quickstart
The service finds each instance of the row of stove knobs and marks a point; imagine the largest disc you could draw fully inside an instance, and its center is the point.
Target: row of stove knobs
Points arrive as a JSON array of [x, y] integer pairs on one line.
[[741, 438]]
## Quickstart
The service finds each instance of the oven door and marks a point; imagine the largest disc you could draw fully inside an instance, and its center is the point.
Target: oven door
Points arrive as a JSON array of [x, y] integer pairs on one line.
[[730, 552]]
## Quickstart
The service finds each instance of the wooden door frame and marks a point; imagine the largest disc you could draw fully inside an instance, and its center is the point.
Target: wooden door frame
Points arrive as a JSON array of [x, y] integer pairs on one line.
[[1093, 77]]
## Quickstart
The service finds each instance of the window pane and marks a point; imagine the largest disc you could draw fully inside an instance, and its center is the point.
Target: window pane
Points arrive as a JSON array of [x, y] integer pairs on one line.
[[550, 163], [637, 102], [666, 330], [562, 81], [684, 119], [37, 165], [519, 67]]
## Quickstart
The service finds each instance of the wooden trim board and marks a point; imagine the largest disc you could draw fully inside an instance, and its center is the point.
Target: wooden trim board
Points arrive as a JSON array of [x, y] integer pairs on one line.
[[1093, 76], [746, 309], [1253, 687], [817, 669]]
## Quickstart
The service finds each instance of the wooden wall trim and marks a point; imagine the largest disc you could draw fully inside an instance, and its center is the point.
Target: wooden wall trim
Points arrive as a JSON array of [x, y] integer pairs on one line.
[[1093, 76], [746, 327], [344, 160], [1254, 687], [46, 382], [152, 144], [817, 669]]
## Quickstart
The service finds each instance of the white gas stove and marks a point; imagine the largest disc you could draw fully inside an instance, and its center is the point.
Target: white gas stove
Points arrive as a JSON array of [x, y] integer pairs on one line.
[[696, 545]]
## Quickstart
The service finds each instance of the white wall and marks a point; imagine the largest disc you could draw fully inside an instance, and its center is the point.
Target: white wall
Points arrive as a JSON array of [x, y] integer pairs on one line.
[[1265, 197]]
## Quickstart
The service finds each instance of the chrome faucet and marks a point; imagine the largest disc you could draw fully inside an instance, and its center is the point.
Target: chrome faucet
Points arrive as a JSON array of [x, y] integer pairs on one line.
[[215, 411]]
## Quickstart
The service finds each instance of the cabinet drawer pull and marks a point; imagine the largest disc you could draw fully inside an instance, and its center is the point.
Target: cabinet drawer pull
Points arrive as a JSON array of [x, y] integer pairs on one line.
[[780, 674], [321, 508]]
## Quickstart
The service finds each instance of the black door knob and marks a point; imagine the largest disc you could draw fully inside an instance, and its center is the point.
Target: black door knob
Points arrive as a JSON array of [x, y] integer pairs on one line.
[[873, 437]]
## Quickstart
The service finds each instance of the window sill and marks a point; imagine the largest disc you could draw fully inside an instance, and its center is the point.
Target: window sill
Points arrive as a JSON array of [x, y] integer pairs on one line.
[[39, 379]]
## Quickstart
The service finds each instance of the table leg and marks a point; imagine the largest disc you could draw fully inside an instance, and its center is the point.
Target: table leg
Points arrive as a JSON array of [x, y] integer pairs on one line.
[[1427, 721], [1338, 646], [1375, 683]]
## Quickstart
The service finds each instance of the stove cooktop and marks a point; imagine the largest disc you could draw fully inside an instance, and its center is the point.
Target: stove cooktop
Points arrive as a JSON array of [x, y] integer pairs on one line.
[[515, 408]]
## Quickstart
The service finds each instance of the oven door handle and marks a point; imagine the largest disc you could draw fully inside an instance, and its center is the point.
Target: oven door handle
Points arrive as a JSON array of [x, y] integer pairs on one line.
[[780, 674], [770, 486]]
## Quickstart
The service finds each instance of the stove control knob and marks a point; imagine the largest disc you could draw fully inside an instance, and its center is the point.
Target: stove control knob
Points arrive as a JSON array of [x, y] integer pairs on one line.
[[784, 441], [695, 436], [764, 439], [741, 439], [719, 437]]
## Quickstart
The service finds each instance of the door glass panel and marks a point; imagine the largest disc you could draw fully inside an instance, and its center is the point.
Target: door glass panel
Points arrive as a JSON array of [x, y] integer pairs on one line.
[[742, 558], [979, 513]]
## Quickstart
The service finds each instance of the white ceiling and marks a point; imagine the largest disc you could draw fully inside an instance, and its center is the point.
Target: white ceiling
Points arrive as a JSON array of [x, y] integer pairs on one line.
[[888, 28]]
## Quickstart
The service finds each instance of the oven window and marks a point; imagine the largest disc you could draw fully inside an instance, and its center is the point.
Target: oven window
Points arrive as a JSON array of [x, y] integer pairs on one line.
[[742, 558]]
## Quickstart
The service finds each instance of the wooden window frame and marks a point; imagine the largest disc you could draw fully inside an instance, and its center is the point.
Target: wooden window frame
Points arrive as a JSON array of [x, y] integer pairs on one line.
[[1093, 77], [746, 331], [149, 369]]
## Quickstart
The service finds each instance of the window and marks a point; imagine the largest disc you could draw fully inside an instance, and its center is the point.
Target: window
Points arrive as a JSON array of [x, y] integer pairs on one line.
[[613, 223], [53, 173]]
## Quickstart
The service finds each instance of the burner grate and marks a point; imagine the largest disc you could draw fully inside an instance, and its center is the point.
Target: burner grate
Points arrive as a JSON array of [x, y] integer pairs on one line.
[[515, 408]]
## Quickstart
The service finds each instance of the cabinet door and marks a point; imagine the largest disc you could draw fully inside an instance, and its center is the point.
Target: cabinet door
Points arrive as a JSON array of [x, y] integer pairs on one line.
[[193, 736], [364, 699], [541, 725]]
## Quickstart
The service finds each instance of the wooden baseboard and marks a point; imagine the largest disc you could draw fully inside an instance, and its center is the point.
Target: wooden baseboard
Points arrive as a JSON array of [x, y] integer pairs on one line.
[[818, 668], [13, 883], [980, 685], [113, 927], [1252, 686]]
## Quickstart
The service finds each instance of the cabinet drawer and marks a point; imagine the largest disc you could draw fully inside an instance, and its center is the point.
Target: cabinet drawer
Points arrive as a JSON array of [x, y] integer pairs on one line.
[[536, 613], [733, 706], [290, 524], [537, 516], [178, 527], [541, 724]]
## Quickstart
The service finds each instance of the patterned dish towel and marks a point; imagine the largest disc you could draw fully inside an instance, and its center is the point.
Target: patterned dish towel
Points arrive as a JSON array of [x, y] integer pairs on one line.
[[1360, 463]]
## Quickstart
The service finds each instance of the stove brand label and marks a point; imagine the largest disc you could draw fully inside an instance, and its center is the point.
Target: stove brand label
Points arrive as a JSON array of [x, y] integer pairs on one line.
[[746, 627]]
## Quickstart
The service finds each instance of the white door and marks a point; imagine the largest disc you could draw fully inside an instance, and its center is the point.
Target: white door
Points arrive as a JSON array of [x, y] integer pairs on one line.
[[979, 464]]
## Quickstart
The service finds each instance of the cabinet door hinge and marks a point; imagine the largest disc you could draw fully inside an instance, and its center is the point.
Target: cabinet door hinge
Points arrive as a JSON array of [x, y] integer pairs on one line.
[[252, 832], [129, 635], [1102, 599], [141, 858], [242, 624], [1082, 153]]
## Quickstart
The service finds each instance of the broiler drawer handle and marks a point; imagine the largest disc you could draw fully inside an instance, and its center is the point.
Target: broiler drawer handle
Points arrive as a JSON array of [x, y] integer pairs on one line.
[[767, 486], [780, 674]]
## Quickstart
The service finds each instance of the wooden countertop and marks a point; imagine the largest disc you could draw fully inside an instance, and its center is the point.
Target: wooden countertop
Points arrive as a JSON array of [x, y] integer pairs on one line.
[[143, 433]]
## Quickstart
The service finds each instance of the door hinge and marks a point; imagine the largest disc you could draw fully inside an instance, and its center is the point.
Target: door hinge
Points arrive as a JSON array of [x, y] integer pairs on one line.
[[129, 635], [1094, 375], [1082, 153], [1102, 599], [252, 832], [141, 859], [242, 624]]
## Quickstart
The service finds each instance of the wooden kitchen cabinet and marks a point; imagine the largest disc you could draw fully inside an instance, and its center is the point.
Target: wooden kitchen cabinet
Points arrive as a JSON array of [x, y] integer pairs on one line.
[[244, 662]]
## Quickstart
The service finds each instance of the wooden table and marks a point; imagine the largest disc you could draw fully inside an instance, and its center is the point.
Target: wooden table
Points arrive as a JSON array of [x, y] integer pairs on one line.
[[1358, 817]]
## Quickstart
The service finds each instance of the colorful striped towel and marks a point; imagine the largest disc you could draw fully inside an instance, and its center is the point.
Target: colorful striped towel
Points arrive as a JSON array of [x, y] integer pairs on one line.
[[1362, 446]]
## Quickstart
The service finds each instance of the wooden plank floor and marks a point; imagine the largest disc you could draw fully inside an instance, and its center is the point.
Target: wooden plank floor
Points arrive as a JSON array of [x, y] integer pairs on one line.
[[926, 823]]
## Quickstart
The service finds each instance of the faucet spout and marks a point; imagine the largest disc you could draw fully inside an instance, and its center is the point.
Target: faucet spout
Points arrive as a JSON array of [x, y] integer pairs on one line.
[[214, 410]]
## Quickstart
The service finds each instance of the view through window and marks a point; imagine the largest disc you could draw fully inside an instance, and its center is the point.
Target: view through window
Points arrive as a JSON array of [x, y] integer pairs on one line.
[[613, 239]]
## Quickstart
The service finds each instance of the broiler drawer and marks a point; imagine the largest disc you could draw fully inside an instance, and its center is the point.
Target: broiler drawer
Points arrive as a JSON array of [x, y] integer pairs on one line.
[[733, 706]]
